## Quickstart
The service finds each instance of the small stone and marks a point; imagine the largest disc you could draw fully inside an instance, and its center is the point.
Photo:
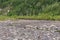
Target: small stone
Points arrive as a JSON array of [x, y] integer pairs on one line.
[[23, 39], [53, 38], [30, 39], [15, 39], [19, 39]]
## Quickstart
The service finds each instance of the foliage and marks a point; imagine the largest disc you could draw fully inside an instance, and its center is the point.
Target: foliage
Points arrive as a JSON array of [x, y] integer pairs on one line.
[[39, 8], [30, 7]]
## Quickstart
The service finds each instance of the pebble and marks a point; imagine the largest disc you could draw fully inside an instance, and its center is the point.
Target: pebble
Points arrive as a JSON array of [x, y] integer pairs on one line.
[[31, 32]]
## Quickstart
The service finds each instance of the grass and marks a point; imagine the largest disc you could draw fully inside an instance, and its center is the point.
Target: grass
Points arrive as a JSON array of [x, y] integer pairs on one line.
[[39, 17]]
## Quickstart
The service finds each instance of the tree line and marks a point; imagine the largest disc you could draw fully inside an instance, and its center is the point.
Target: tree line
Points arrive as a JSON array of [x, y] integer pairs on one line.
[[29, 7]]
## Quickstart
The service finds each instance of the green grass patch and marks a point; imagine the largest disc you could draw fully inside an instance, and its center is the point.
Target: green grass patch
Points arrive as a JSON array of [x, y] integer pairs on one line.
[[39, 17]]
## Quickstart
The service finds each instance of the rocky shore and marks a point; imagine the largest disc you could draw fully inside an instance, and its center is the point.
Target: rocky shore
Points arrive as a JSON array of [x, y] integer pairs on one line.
[[29, 30]]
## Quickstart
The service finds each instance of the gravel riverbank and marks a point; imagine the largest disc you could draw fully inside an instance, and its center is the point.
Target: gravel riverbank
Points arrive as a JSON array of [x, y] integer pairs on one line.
[[29, 30]]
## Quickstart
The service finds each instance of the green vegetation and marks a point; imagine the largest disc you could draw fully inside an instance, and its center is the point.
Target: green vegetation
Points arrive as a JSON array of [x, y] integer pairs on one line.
[[30, 9], [57, 31]]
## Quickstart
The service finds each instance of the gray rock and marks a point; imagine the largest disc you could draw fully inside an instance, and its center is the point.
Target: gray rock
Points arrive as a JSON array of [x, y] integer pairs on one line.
[[29, 30]]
